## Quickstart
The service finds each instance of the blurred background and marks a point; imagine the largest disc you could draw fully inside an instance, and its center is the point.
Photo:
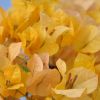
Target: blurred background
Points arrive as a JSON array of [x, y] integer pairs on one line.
[[5, 4]]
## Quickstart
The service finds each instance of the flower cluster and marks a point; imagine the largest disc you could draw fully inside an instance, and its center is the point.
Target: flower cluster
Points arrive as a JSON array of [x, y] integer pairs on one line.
[[50, 50]]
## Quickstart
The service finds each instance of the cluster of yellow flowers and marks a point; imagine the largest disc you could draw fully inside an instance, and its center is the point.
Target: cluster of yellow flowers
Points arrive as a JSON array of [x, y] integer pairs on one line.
[[50, 50]]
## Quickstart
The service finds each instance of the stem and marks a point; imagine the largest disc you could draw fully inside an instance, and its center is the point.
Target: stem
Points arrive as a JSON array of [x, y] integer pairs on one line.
[[21, 93], [25, 95]]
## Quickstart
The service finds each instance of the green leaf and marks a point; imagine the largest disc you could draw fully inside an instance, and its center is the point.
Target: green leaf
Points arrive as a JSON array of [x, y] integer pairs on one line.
[[24, 68]]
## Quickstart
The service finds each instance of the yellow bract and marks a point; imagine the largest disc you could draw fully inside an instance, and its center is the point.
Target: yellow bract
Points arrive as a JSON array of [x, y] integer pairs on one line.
[[80, 80], [11, 80], [35, 64], [4, 62], [92, 47], [14, 50], [61, 66], [50, 49], [83, 60]]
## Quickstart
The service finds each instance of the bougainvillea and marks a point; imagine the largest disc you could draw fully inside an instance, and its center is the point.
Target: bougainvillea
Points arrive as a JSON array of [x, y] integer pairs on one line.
[[50, 50]]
